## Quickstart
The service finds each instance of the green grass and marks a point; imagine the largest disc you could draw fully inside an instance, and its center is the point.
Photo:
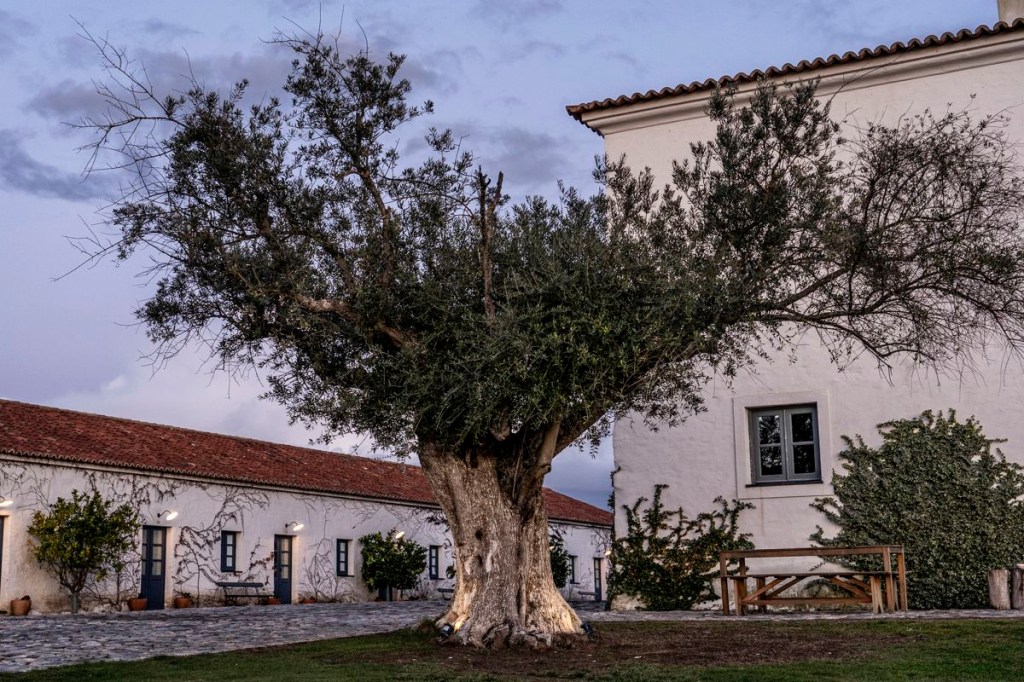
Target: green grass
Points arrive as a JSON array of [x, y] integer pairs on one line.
[[885, 650]]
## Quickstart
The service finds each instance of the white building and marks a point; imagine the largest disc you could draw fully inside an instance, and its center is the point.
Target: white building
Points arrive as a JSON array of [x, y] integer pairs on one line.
[[222, 508], [712, 453]]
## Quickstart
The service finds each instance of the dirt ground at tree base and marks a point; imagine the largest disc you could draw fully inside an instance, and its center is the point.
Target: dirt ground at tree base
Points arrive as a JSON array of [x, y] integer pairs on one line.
[[685, 644]]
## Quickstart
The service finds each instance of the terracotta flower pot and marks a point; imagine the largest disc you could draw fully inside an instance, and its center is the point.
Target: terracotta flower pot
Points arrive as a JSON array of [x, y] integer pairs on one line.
[[273, 601], [137, 604], [307, 600], [20, 607], [183, 602]]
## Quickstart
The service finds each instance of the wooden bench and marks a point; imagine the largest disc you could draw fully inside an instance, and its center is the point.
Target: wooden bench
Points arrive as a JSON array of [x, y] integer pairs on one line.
[[880, 589], [235, 591], [446, 592]]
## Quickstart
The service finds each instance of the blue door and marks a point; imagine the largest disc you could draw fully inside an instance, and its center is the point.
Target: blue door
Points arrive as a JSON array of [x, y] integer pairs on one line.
[[2, 519], [283, 568], [154, 565], [597, 578]]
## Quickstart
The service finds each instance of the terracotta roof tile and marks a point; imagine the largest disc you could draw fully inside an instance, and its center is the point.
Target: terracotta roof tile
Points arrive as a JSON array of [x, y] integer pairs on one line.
[[578, 110], [56, 434]]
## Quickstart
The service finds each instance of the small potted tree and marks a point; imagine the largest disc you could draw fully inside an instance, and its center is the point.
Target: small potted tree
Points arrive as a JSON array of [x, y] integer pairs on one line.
[[81, 539], [183, 600], [392, 562]]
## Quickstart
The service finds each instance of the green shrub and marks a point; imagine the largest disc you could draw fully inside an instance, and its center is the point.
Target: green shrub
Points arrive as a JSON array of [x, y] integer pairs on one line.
[[392, 561], [82, 539], [668, 560], [937, 487]]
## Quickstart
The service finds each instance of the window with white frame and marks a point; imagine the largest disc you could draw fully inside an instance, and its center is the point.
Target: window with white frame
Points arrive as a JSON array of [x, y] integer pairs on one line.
[[784, 445]]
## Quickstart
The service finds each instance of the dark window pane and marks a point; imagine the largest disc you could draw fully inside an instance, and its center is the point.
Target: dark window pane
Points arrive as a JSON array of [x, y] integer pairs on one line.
[[803, 427], [769, 429], [771, 460], [803, 459]]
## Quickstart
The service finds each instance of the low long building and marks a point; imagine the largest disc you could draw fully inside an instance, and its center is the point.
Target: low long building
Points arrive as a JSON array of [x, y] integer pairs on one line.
[[219, 508]]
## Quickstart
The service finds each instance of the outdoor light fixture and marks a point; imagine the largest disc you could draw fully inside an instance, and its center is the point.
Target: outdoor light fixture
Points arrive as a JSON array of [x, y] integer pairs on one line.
[[294, 525], [608, 552], [447, 630], [588, 629], [399, 535], [168, 514], [5, 501]]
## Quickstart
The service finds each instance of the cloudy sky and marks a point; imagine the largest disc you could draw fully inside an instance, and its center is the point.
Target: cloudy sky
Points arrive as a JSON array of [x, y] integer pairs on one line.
[[500, 74]]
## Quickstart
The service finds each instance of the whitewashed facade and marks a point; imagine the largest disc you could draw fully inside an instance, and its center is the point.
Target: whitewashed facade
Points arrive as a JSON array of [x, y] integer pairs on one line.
[[259, 518], [712, 454]]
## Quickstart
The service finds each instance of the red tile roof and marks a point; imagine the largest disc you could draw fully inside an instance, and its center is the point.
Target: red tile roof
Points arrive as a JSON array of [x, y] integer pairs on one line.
[[64, 435], [578, 110]]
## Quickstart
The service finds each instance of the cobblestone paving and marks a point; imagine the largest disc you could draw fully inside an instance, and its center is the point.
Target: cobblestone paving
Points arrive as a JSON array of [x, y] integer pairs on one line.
[[45, 641]]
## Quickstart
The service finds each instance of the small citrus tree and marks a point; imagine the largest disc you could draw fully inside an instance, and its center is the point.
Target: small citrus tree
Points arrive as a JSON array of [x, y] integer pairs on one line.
[[391, 562], [82, 539], [938, 487]]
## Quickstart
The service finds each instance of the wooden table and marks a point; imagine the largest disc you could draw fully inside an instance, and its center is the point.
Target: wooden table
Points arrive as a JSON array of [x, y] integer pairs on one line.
[[877, 588]]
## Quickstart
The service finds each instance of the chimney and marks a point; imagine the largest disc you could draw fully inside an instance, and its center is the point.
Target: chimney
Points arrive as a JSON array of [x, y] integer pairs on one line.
[[1011, 10]]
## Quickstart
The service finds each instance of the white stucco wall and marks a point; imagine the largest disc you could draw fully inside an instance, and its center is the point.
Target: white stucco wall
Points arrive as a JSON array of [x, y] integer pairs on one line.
[[709, 455], [258, 514]]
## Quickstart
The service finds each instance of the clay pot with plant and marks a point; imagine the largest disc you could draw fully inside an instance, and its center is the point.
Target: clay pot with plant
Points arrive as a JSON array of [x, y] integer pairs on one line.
[[21, 606], [138, 603], [183, 600]]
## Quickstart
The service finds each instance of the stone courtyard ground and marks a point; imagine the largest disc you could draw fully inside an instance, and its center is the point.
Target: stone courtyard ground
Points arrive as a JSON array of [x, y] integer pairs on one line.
[[638, 640]]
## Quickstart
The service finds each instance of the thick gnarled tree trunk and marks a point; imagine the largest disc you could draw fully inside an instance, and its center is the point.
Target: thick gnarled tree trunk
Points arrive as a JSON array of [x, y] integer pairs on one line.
[[504, 592]]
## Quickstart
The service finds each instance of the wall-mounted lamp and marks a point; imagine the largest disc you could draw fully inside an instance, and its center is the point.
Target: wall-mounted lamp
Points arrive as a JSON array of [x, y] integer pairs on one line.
[[294, 525], [168, 514], [608, 552], [399, 535], [5, 501]]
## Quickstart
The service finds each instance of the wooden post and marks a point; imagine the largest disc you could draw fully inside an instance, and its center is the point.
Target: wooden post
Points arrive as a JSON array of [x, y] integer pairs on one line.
[[1017, 593], [723, 573], [999, 588], [901, 570], [876, 594], [890, 580]]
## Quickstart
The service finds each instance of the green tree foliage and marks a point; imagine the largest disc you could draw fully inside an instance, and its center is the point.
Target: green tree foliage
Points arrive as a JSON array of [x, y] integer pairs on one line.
[[561, 561], [415, 303], [668, 560], [82, 539], [391, 562], [938, 487]]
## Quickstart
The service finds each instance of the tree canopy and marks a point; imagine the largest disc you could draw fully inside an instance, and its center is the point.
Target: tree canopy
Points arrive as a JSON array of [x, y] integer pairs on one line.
[[417, 304]]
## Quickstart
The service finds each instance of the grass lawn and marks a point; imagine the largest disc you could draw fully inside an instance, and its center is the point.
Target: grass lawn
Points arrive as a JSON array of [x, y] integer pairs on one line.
[[805, 650]]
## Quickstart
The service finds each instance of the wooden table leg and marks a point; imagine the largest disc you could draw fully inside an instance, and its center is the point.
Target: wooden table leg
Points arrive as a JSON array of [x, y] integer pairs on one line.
[[741, 595], [759, 582], [723, 576], [890, 581], [876, 593], [901, 574]]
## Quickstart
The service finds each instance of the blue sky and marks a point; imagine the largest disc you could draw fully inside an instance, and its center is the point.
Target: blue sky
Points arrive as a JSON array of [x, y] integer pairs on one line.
[[500, 74]]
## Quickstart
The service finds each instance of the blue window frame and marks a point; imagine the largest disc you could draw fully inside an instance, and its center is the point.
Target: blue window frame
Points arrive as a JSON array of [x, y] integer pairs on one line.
[[572, 569], [228, 551], [342, 561], [434, 562]]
